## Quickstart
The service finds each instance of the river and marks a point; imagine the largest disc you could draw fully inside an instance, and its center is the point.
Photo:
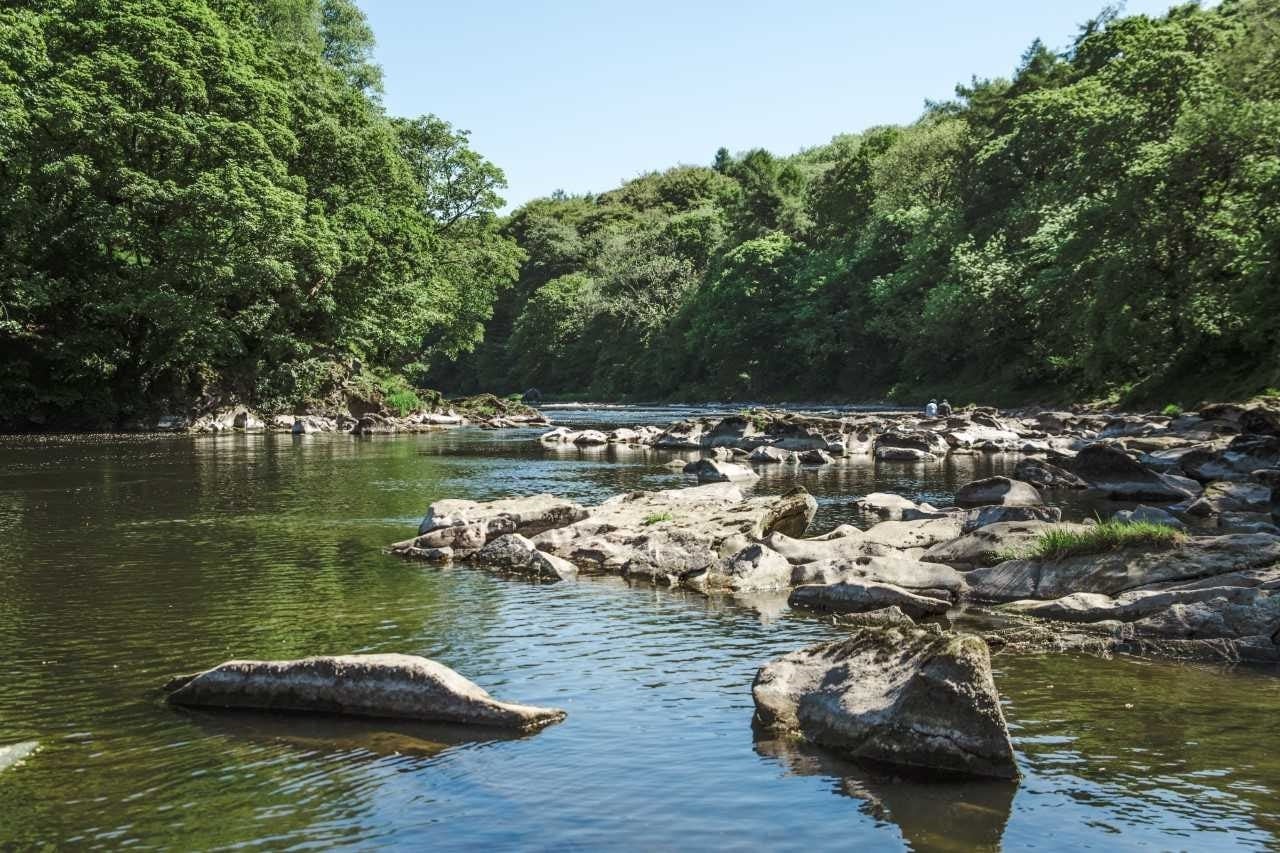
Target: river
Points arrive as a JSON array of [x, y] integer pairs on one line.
[[127, 559]]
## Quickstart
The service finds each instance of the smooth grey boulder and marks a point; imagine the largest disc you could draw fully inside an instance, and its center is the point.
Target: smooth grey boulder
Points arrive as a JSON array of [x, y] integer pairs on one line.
[[1115, 572], [713, 471], [1115, 473], [383, 685], [998, 491], [1237, 497], [903, 454], [986, 515], [815, 456], [859, 596], [900, 696], [516, 553]]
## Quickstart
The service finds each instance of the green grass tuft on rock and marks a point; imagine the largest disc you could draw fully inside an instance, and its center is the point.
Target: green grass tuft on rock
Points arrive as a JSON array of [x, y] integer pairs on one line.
[[1103, 537], [657, 517]]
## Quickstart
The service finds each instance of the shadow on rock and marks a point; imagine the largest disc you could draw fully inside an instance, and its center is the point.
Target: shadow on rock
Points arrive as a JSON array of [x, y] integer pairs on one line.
[[933, 811]]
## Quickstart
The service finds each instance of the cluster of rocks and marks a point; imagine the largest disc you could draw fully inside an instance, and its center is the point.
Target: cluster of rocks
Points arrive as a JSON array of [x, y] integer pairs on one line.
[[242, 419], [916, 695]]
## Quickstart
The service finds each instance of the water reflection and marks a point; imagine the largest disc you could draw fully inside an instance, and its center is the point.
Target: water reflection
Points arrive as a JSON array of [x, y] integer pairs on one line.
[[931, 814]]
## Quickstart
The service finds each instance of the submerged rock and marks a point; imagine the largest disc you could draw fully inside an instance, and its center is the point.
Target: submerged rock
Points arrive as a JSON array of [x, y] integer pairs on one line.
[[15, 753], [384, 685], [895, 695]]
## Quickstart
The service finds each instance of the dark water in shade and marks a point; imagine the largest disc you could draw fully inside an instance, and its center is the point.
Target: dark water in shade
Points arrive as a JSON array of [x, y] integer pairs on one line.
[[124, 560]]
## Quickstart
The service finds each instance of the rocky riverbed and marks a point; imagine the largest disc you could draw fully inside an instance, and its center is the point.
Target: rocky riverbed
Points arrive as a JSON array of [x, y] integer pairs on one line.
[[1193, 571]]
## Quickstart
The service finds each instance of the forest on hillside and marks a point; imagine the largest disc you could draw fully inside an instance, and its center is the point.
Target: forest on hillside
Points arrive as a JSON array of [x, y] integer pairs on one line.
[[206, 200], [1105, 224]]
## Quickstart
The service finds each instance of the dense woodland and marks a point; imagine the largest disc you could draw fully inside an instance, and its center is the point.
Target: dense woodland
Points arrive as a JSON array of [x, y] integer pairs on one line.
[[205, 199], [1104, 224]]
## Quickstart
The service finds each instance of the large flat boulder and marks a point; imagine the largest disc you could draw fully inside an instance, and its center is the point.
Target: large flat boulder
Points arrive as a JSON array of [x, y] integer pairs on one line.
[[515, 553], [848, 546], [524, 515], [900, 696], [664, 535], [756, 568], [1116, 572], [383, 685]]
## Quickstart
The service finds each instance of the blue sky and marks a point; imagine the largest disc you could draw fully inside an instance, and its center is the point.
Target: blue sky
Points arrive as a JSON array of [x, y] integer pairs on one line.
[[580, 95]]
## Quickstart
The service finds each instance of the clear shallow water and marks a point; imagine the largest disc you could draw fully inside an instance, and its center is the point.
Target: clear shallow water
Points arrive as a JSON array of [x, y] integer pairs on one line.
[[125, 560]]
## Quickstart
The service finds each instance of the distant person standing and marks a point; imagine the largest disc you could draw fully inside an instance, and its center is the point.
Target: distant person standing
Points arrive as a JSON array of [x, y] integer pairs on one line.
[[944, 409], [931, 410]]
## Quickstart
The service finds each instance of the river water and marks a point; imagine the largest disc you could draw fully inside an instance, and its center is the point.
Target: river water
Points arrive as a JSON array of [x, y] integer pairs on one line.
[[127, 559]]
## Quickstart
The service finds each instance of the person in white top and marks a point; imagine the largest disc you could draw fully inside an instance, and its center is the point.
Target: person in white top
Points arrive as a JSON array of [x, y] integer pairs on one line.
[[931, 410]]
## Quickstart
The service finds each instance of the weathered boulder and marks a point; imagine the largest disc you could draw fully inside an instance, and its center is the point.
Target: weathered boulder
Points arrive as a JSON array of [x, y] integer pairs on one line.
[[1000, 491], [883, 617], [1046, 475], [917, 533], [769, 454], [685, 434], [756, 568], [985, 515], [590, 438], [374, 424], [851, 545], [916, 575], [516, 553], [712, 471], [665, 535], [858, 596], [559, 435], [526, 515], [900, 696], [910, 445], [1115, 572], [815, 456], [1114, 472], [1231, 496], [383, 685]]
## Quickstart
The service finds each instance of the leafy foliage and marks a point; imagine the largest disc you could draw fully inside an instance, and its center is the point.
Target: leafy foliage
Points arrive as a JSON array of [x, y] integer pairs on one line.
[[204, 197], [1106, 222]]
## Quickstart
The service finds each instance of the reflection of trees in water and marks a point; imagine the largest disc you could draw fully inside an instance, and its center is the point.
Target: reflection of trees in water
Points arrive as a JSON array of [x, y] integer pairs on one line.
[[931, 813]]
